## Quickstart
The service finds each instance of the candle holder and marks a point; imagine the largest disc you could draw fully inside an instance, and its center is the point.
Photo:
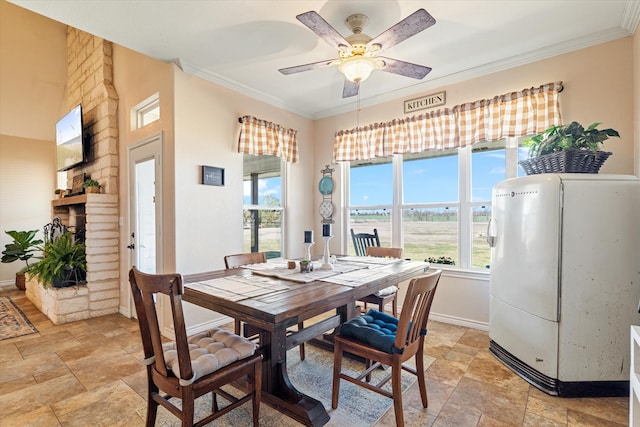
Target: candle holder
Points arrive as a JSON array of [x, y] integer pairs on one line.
[[308, 250], [326, 264]]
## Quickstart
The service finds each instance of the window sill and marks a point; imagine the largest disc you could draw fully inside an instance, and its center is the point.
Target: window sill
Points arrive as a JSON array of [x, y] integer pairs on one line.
[[464, 273]]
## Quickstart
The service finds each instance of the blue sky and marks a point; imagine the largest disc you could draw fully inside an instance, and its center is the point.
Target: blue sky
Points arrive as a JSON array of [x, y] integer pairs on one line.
[[430, 180]]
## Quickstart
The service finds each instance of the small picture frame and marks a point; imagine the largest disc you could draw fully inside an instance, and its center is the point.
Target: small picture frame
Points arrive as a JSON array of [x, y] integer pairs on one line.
[[212, 176], [76, 185]]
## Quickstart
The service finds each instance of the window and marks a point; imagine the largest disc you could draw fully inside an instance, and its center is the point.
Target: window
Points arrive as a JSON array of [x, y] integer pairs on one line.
[[435, 203], [148, 111], [263, 208], [371, 199]]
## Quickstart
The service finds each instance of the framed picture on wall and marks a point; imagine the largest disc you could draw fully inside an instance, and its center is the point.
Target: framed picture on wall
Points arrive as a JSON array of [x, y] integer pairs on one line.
[[212, 176]]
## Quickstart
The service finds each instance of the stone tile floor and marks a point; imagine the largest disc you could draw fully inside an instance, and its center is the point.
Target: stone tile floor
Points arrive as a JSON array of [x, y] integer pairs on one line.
[[90, 373]]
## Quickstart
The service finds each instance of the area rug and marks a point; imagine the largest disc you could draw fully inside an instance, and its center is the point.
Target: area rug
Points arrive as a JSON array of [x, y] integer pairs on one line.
[[357, 406], [13, 322]]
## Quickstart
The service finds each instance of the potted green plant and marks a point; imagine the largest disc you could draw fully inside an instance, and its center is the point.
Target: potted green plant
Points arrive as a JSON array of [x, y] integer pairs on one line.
[[60, 192], [22, 248], [63, 263], [441, 260], [567, 148], [91, 186]]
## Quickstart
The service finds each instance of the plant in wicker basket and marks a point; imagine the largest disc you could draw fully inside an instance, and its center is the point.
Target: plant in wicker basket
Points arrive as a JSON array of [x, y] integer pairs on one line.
[[567, 148]]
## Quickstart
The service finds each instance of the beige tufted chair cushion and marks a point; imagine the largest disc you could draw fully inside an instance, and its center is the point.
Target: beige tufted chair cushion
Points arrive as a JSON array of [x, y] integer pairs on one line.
[[209, 351]]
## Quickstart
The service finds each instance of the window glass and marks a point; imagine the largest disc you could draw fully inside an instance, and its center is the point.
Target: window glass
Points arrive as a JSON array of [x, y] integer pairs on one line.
[[430, 177], [480, 250], [371, 182], [488, 167], [263, 230], [430, 232], [262, 199], [445, 200], [148, 111]]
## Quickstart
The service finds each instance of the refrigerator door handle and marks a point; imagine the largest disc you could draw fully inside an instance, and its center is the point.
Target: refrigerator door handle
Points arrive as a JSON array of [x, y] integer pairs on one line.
[[491, 234]]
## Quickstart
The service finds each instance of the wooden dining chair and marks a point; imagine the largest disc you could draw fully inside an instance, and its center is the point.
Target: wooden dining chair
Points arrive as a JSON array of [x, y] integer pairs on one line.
[[386, 295], [361, 241], [386, 340], [236, 261], [190, 367]]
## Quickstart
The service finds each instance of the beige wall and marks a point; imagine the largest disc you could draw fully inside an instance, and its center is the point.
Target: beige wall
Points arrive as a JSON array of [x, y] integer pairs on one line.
[[136, 78], [636, 98], [26, 190], [33, 72], [209, 218], [33, 69]]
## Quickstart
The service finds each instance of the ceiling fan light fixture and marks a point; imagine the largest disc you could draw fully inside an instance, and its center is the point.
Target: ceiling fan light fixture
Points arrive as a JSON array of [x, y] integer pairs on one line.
[[358, 68]]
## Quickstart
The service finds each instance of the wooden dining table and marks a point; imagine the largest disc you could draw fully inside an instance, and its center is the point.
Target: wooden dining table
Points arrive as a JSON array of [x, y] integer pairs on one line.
[[271, 299]]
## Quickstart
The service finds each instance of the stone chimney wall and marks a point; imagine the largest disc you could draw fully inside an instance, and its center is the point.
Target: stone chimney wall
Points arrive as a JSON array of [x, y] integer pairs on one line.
[[90, 83]]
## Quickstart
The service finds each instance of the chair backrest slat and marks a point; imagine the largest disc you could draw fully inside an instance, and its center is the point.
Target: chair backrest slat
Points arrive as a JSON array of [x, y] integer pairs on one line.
[[145, 288], [384, 252], [237, 260], [361, 241], [416, 308]]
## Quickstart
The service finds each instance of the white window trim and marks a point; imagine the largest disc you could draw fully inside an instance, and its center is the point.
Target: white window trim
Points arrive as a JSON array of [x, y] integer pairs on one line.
[[464, 205], [139, 110]]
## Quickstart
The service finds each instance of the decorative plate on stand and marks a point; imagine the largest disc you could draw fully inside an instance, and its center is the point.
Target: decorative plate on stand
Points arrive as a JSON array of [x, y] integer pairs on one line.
[[326, 209]]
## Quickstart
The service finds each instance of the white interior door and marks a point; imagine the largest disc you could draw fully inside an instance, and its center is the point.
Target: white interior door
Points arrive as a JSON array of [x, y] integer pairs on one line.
[[145, 192]]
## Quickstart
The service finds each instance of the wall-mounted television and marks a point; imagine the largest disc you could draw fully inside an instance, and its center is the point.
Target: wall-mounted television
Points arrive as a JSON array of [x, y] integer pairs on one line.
[[70, 150]]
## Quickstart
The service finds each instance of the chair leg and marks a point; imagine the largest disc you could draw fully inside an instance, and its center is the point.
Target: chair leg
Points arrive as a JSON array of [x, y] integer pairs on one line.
[[367, 365], [152, 405], [236, 327], [257, 391], [394, 305], [422, 383], [337, 368], [214, 402], [381, 307], [302, 355], [188, 406], [396, 388]]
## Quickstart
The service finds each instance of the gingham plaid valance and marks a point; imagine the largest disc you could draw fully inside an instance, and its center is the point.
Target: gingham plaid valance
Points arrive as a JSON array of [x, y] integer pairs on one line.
[[525, 112], [261, 137]]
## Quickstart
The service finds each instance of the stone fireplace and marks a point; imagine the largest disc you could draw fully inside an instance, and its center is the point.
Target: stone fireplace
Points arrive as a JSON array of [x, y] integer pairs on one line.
[[100, 296], [90, 83]]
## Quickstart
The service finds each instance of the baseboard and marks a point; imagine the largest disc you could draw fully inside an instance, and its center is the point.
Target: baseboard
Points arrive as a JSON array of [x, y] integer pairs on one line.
[[468, 323], [194, 329], [8, 284], [125, 312]]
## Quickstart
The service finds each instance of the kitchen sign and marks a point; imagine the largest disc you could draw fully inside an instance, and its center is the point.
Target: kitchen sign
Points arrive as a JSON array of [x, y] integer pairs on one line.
[[424, 102]]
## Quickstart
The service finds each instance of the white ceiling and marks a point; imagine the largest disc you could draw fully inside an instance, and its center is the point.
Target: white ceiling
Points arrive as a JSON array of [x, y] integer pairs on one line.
[[242, 44]]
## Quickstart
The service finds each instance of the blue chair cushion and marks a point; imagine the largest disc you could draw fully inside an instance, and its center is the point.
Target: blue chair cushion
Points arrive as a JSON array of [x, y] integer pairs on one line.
[[375, 328]]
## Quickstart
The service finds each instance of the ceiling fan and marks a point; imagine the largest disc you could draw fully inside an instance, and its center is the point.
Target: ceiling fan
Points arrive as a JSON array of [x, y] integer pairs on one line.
[[357, 53]]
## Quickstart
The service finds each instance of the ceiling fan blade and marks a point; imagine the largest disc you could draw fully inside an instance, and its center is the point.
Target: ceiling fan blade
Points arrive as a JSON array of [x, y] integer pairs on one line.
[[350, 88], [322, 28], [404, 68], [307, 67], [409, 26]]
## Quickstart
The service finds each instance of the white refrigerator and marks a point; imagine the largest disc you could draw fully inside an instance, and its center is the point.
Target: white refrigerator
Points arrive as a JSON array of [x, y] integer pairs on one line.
[[565, 280]]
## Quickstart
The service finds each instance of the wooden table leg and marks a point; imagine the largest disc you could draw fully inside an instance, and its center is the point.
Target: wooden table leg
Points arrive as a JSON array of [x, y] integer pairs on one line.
[[278, 392]]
